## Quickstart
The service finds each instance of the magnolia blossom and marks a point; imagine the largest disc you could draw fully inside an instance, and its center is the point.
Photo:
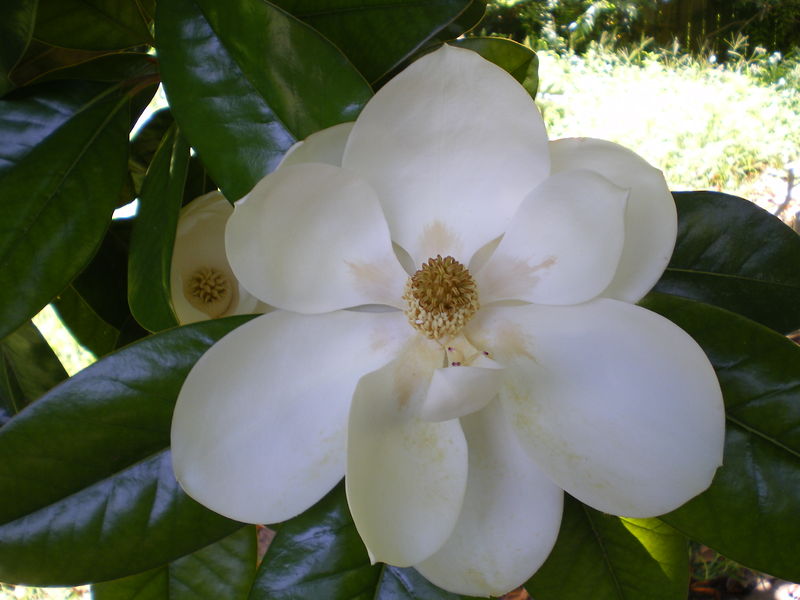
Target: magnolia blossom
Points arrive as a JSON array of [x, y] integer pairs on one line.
[[202, 283], [456, 335]]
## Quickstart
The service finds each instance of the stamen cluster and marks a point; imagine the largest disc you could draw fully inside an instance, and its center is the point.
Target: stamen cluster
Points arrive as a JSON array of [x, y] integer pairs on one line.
[[208, 285], [440, 297]]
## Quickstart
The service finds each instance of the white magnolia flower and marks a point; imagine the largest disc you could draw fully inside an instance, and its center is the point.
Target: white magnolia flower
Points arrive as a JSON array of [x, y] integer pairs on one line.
[[508, 362], [202, 283]]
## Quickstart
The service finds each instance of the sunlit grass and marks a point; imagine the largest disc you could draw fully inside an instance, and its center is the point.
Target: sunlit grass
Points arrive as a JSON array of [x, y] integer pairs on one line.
[[72, 355], [21, 592], [705, 126]]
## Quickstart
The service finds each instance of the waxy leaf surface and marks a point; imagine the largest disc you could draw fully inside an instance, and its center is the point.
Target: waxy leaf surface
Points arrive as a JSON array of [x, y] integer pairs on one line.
[[378, 35], [94, 24], [87, 491], [154, 234], [28, 369], [62, 168], [749, 513], [16, 26], [519, 61], [734, 255], [222, 570], [319, 555], [245, 80], [605, 557]]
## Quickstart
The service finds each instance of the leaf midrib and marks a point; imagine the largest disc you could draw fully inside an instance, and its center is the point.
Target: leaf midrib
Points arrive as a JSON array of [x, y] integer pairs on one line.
[[698, 272]]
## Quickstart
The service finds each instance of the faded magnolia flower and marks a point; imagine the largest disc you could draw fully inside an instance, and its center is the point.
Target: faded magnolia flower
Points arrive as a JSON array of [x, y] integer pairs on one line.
[[456, 335], [202, 283]]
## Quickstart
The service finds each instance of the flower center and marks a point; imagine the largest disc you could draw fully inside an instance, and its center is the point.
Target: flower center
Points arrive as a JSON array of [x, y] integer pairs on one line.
[[208, 290], [440, 297]]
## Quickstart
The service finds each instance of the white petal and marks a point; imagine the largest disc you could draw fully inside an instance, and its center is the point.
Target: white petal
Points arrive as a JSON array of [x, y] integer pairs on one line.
[[200, 244], [258, 433], [311, 238], [509, 520], [651, 221], [405, 477], [452, 145], [616, 403], [563, 245], [458, 391], [325, 146]]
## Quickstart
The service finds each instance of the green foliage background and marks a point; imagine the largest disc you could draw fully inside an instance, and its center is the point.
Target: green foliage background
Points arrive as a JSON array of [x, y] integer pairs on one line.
[[86, 489]]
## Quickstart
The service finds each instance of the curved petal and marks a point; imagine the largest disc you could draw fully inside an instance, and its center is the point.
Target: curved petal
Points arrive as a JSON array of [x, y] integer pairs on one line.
[[563, 245], [325, 146], [467, 384], [311, 238], [200, 246], [451, 145], [405, 477], [509, 520], [616, 403], [258, 433], [651, 222]]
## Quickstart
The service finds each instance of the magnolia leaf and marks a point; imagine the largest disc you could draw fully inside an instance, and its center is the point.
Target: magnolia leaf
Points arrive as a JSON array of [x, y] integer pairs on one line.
[[16, 25], [154, 234], [28, 369], [604, 557], [87, 327], [378, 36], [117, 66], [222, 570], [749, 513], [320, 555], [62, 168], [94, 307], [94, 24], [519, 61], [246, 80], [87, 491], [735, 255]]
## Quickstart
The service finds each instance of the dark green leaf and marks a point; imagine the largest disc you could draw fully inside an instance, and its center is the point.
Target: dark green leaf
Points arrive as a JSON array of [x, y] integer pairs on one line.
[[83, 322], [749, 513], [378, 35], [469, 18], [734, 255], [87, 491], [16, 26], [319, 555], [221, 571], [93, 24], [245, 80], [154, 234], [604, 557], [28, 369], [62, 166], [95, 306], [145, 143], [518, 60], [118, 66]]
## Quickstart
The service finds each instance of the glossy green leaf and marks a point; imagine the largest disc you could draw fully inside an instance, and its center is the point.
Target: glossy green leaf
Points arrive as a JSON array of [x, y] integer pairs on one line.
[[94, 307], [749, 513], [62, 166], [734, 255], [28, 369], [94, 24], [378, 35], [245, 80], [223, 570], [87, 491], [604, 557], [519, 61], [154, 234], [319, 555], [87, 327], [16, 25], [118, 66]]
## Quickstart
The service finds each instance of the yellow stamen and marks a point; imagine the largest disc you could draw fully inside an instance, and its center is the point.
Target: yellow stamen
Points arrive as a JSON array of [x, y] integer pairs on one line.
[[440, 297], [208, 290]]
